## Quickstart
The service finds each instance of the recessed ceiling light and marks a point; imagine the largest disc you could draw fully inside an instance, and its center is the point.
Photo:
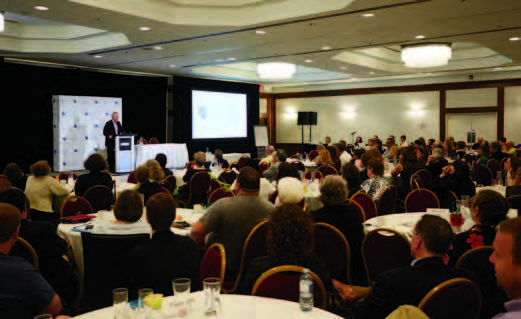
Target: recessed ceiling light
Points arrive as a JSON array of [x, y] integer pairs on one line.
[[309, 61], [420, 37], [157, 48], [97, 56], [145, 28], [368, 15], [232, 59], [260, 32], [428, 73], [172, 65], [326, 48], [343, 68], [515, 39], [498, 68], [371, 73], [41, 8]]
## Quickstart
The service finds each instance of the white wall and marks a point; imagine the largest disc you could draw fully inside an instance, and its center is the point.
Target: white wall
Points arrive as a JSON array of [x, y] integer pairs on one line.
[[485, 125], [472, 97], [413, 114], [513, 113]]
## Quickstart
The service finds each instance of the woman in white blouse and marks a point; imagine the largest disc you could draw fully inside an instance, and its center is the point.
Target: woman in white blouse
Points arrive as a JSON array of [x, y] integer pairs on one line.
[[376, 184], [40, 189]]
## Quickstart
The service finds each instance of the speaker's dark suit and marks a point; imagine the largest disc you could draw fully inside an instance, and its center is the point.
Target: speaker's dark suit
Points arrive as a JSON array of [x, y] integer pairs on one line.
[[110, 143]]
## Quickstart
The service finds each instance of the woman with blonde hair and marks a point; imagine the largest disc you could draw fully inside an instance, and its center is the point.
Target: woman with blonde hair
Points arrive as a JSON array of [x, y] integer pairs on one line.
[[325, 158], [156, 172], [5, 184]]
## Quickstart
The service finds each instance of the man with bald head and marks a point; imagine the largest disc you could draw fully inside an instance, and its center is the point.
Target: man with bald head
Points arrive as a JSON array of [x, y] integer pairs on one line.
[[23, 292]]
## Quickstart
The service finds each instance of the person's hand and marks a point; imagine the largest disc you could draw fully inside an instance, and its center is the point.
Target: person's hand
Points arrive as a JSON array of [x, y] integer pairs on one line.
[[345, 291], [445, 171]]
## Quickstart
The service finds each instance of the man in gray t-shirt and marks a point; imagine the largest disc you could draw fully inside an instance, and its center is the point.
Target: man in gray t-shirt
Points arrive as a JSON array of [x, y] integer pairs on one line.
[[230, 220]]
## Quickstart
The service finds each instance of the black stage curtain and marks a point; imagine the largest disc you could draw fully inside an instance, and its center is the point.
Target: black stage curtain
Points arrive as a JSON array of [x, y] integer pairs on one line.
[[26, 101], [182, 115]]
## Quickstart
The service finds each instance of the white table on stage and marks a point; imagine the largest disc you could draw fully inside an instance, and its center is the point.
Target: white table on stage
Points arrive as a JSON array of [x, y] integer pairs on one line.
[[233, 306], [177, 154], [73, 231]]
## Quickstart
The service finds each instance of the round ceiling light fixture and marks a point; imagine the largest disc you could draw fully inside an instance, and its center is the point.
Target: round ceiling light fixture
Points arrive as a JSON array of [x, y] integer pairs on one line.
[[276, 70], [426, 55]]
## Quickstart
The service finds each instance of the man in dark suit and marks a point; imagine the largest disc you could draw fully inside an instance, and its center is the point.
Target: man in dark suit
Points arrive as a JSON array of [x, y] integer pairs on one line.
[[111, 129], [166, 256], [431, 239]]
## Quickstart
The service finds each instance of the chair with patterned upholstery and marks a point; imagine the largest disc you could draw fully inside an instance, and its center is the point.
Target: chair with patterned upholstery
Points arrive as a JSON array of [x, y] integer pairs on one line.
[[100, 197], [420, 199], [299, 166], [213, 264], [132, 178], [426, 177], [228, 176], [283, 283], [515, 203], [75, 205], [384, 249], [218, 194], [242, 161], [332, 247], [456, 298], [198, 188], [358, 207], [154, 140], [494, 166], [367, 204], [387, 202], [24, 250], [313, 155], [262, 168], [318, 175]]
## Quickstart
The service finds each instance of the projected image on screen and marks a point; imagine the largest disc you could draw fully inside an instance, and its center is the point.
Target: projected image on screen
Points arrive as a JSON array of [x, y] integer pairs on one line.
[[218, 115]]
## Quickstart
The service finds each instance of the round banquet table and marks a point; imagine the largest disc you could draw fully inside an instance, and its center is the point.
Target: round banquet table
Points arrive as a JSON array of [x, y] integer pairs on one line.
[[500, 189], [233, 306], [73, 231]]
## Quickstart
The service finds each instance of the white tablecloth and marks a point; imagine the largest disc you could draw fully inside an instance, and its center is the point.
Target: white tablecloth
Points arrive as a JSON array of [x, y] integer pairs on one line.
[[234, 157], [233, 306], [121, 185], [67, 230], [500, 189], [176, 154]]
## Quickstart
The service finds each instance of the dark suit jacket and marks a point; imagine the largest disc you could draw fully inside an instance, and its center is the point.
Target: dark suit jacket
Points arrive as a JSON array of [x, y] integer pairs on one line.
[[149, 188], [406, 286], [499, 156], [91, 179], [165, 257], [167, 171], [109, 130], [437, 168]]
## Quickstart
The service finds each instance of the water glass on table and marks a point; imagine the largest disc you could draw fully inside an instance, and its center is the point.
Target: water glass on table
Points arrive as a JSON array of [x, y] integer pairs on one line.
[[181, 296], [142, 293], [212, 295], [120, 302]]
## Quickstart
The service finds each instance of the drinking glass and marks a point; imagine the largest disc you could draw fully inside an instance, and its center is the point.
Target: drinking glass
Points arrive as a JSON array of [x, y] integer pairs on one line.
[[212, 294], [302, 175], [181, 294], [465, 200], [120, 298], [142, 293], [313, 174]]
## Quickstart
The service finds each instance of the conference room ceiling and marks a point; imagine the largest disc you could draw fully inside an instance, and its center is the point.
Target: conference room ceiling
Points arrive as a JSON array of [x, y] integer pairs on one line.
[[328, 40]]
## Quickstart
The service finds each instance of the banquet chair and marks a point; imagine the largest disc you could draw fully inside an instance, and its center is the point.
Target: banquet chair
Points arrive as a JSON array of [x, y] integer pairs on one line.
[[254, 247], [132, 178], [166, 191], [299, 166], [367, 204], [64, 176], [100, 198], [283, 283], [142, 141], [494, 166], [214, 185], [273, 197], [420, 199], [313, 155], [24, 250], [218, 194], [154, 140], [387, 202], [503, 162], [338, 165], [213, 264], [318, 175], [198, 190], [485, 175], [384, 249], [106, 266], [262, 168], [75, 205], [416, 182], [332, 247], [475, 170], [166, 184], [327, 170], [456, 298], [294, 156], [447, 199], [426, 177], [172, 180], [242, 161], [470, 158], [358, 207], [228, 177], [515, 203]]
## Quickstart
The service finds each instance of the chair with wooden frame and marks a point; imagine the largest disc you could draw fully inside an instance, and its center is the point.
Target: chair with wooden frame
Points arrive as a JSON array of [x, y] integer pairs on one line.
[[154, 140], [142, 141], [100, 197], [318, 175], [132, 178], [494, 166], [447, 199], [263, 167], [358, 207], [283, 283], [75, 205], [367, 204], [166, 184], [242, 161], [228, 176], [23, 249], [416, 182], [426, 177], [387, 202], [218, 194], [213, 264], [384, 249], [172, 180], [332, 247], [456, 298], [299, 166], [420, 199], [313, 154], [515, 203], [198, 190], [327, 170]]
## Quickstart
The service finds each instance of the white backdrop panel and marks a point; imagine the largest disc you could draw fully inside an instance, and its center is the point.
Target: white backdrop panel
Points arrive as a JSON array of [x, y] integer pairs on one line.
[[78, 128], [513, 113], [413, 114]]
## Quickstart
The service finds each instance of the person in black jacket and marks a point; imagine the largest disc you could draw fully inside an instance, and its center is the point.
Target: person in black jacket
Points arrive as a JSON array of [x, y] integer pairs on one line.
[[111, 129], [496, 152], [455, 178], [16, 176], [95, 163], [436, 162], [162, 160]]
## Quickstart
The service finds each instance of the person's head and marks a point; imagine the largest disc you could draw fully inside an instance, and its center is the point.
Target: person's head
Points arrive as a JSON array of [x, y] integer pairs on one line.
[[422, 141], [430, 142], [450, 144], [328, 139], [248, 181], [291, 190], [395, 151], [340, 148], [489, 207], [461, 145], [509, 145], [432, 236], [290, 234], [9, 226], [252, 163], [407, 156], [325, 157], [156, 172], [507, 257], [270, 149], [161, 210], [476, 146], [495, 147], [517, 179], [357, 154], [200, 159], [403, 138], [389, 143], [5, 184], [161, 159], [351, 174], [375, 167], [359, 140], [378, 143], [115, 116], [218, 154], [286, 169], [280, 156], [370, 142], [13, 171], [15, 197], [320, 147], [95, 163], [332, 152], [437, 144], [142, 174], [503, 140], [333, 190], [437, 154], [129, 206], [40, 168], [484, 150], [460, 171]]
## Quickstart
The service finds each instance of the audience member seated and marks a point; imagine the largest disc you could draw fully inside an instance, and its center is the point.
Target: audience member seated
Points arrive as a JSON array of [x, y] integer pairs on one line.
[[128, 213], [436, 162], [166, 256], [145, 186], [50, 249], [5, 184], [483, 154], [162, 160], [24, 293], [449, 149], [270, 154], [515, 189], [378, 145], [219, 160], [328, 141], [290, 242], [291, 191], [422, 154], [324, 158], [357, 158], [359, 144], [408, 165], [368, 155], [230, 220], [455, 178], [496, 152], [156, 172], [376, 184], [507, 263], [403, 141], [351, 175], [271, 173], [511, 166], [332, 152], [460, 150], [431, 239], [95, 164], [287, 170], [40, 189], [342, 154], [266, 188], [199, 159], [509, 148], [15, 175], [387, 150], [333, 194]]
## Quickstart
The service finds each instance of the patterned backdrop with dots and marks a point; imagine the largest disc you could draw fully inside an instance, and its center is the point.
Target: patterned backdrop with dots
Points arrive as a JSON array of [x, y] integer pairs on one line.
[[78, 123]]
